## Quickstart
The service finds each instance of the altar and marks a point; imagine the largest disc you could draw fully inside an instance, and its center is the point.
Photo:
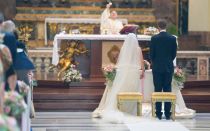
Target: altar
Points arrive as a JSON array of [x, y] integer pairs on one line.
[[99, 48]]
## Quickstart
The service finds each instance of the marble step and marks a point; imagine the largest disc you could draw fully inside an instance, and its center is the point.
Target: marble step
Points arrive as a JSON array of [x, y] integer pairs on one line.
[[98, 83], [82, 121], [62, 106]]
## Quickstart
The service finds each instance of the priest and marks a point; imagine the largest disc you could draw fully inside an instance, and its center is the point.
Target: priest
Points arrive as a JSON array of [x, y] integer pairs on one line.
[[109, 22]]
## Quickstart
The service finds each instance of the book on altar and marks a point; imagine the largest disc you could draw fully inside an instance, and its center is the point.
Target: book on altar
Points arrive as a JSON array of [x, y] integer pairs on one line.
[[129, 29]]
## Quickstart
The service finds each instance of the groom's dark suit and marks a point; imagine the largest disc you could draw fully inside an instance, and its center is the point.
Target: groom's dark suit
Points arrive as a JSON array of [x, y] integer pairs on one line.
[[163, 49]]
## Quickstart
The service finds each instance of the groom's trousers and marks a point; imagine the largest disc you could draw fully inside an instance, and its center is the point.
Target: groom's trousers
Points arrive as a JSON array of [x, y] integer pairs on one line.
[[162, 83]]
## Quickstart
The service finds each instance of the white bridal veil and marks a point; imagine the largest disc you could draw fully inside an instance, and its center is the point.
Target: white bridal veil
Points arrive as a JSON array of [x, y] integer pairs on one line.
[[127, 79]]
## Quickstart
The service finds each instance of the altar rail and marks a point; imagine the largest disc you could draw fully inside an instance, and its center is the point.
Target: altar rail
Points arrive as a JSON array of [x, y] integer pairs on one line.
[[195, 63]]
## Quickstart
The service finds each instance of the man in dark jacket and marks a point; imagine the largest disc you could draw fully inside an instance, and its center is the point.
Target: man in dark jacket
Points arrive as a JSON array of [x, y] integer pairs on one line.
[[162, 53]]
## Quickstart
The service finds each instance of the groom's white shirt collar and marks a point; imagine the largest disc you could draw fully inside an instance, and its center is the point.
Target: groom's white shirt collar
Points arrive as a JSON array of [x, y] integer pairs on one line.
[[162, 30]]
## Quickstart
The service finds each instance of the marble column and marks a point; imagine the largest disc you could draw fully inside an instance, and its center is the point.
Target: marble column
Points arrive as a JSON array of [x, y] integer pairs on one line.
[[199, 20]]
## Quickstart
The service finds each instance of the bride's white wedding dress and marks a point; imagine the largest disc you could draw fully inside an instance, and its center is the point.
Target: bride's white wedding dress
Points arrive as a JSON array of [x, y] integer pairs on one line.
[[127, 79]]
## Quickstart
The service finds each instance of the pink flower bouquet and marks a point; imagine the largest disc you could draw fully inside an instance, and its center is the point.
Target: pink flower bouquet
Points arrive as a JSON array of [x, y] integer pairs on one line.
[[14, 104], [178, 78], [109, 72], [8, 123], [179, 75]]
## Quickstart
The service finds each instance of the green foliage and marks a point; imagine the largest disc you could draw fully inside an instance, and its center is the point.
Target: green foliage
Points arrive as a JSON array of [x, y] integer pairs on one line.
[[110, 75], [172, 29]]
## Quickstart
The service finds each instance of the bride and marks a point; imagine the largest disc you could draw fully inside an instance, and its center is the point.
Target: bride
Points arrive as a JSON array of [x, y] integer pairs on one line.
[[127, 79]]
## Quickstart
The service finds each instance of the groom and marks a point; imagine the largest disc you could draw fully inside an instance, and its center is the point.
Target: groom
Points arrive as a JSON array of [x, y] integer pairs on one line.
[[162, 53]]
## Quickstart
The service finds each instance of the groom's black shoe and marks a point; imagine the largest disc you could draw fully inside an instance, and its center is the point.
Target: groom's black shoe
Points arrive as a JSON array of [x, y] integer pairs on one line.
[[159, 117], [168, 117]]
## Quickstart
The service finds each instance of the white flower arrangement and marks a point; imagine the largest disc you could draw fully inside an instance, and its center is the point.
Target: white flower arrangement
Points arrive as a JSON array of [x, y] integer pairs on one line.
[[151, 31], [72, 75]]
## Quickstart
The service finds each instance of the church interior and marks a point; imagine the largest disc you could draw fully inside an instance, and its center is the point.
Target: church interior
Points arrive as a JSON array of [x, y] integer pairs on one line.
[[53, 30]]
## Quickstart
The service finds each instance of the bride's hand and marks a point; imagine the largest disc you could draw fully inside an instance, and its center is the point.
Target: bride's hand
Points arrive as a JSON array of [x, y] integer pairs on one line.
[[142, 75]]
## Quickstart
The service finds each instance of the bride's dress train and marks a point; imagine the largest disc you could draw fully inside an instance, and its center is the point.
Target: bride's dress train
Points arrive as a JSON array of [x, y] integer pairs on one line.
[[113, 115], [107, 109]]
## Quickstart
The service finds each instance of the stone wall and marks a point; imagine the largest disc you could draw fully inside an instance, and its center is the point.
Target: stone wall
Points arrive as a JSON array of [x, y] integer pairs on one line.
[[165, 9], [8, 8]]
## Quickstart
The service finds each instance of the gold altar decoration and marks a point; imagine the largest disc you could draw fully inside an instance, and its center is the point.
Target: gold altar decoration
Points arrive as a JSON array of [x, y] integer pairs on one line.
[[25, 32], [164, 97], [113, 54], [53, 27], [83, 28], [130, 96], [67, 54]]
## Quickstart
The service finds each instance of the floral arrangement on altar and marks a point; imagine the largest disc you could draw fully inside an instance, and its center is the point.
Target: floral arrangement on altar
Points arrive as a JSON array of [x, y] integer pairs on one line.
[[14, 104], [151, 31], [8, 123], [109, 72], [178, 78], [72, 75]]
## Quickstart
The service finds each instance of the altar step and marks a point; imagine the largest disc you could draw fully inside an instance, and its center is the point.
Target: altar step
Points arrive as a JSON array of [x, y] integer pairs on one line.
[[65, 105], [197, 95], [56, 96], [85, 96]]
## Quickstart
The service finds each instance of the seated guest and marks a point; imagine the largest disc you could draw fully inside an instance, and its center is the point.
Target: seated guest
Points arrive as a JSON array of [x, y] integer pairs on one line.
[[23, 65], [1, 86], [8, 44], [8, 28], [126, 4], [63, 3], [45, 3], [9, 72]]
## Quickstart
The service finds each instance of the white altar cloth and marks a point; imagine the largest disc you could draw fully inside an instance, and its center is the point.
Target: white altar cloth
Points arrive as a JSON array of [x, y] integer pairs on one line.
[[58, 37]]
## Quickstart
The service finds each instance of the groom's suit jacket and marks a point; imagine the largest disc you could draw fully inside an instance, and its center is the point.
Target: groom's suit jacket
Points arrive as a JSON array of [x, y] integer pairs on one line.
[[163, 49]]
